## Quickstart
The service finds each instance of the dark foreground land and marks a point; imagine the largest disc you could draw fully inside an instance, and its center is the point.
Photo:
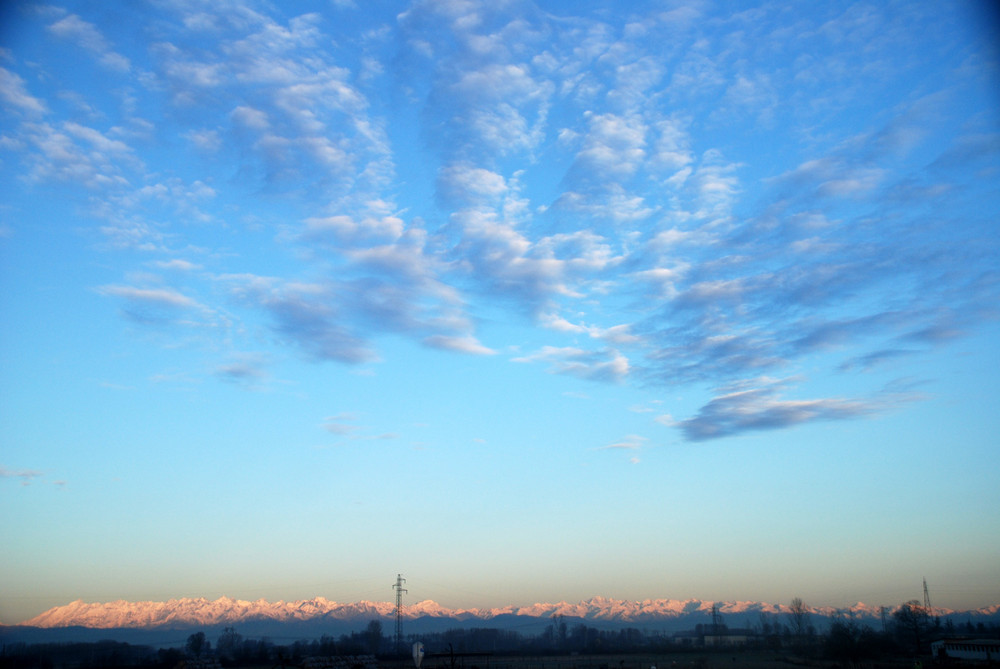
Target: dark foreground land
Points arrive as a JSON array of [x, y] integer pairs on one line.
[[690, 659], [697, 659], [909, 641]]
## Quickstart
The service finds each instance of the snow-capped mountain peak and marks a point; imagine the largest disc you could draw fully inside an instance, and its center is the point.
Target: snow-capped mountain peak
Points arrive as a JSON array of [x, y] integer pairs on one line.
[[227, 611]]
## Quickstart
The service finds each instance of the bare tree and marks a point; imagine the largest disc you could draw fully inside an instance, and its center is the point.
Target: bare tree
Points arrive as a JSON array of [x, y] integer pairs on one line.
[[800, 617], [912, 621], [374, 634], [229, 644]]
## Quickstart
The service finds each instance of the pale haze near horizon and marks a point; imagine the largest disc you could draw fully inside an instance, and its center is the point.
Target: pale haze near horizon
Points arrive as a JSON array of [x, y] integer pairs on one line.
[[525, 301]]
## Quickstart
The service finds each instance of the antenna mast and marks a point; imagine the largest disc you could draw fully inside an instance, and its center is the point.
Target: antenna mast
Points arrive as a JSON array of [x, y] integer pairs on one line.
[[398, 587], [927, 599]]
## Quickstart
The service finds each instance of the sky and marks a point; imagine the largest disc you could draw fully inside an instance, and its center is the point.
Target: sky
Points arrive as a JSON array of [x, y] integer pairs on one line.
[[525, 301]]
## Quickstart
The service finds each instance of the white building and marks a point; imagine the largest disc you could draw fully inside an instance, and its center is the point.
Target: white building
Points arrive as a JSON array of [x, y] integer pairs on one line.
[[967, 649]]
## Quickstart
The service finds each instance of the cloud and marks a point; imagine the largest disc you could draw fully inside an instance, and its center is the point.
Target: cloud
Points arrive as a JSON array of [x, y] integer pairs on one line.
[[567, 172], [313, 325], [246, 369], [85, 34], [632, 442], [874, 359], [465, 185], [176, 264], [499, 259], [618, 334], [204, 140], [76, 154], [603, 365], [14, 95], [161, 306], [164, 297], [340, 424], [756, 405], [337, 320], [613, 148], [249, 117], [25, 475], [343, 425], [611, 203], [467, 344], [345, 229]]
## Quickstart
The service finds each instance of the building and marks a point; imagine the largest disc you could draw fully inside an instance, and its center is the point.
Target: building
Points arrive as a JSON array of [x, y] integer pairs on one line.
[[967, 649]]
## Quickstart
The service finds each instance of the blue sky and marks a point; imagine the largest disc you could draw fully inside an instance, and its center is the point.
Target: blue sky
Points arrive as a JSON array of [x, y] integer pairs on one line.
[[527, 301]]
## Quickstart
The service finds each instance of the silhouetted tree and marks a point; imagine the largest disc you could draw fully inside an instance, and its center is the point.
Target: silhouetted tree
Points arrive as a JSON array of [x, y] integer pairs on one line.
[[561, 631], [327, 645], [800, 617], [169, 657], [196, 644], [374, 635], [912, 621], [229, 645]]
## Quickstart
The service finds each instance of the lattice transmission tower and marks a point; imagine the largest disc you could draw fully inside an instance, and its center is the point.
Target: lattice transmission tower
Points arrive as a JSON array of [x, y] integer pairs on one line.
[[398, 587]]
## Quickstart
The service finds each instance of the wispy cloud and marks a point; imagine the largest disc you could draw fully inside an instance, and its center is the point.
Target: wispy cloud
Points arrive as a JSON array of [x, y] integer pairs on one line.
[[758, 405], [340, 424], [602, 365], [15, 95], [156, 296], [345, 425], [248, 369], [631, 442], [26, 476], [87, 35], [465, 344]]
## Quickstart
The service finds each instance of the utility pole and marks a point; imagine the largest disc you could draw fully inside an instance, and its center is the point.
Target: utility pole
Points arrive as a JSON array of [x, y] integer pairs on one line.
[[398, 587]]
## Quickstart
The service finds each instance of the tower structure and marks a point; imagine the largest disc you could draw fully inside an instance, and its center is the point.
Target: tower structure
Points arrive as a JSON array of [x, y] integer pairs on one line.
[[398, 587], [927, 599], [716, 620]]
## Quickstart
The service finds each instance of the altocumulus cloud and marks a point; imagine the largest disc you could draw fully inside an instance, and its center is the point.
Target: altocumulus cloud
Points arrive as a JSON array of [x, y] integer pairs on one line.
[[625, 188]]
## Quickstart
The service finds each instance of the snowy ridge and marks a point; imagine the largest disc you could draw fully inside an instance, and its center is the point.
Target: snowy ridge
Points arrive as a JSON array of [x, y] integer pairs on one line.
[[200, 611]]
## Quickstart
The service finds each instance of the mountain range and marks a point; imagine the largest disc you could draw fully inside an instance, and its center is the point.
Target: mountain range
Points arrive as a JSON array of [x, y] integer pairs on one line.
[[659, 613]]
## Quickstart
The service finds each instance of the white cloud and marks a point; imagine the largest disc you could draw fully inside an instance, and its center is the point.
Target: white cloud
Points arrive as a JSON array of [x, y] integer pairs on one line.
[[15, 94], [59, 156], [613, 148], [631, 442], [249, 117], [158, 296], [349, 230], [176, 264], [467, 184], [87, 35], [605, 365], [205, 140], [96, 139], [464, 344]]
